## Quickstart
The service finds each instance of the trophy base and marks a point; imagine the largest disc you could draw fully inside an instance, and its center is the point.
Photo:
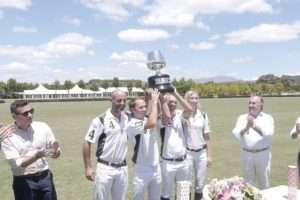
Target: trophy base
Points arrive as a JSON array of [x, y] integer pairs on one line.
[[161, 82]]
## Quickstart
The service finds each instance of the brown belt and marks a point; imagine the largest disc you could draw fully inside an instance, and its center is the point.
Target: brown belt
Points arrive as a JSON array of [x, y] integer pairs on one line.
[[255, 150]]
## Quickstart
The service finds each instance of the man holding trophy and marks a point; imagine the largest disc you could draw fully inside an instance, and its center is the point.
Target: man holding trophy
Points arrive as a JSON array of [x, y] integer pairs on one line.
[[174, 166]]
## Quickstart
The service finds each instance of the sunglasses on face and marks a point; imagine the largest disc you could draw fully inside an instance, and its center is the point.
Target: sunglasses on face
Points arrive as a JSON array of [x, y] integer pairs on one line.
[[25, 114]]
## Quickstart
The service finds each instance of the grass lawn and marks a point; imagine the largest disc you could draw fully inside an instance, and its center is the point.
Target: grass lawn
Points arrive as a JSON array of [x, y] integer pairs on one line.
[[70, 120]]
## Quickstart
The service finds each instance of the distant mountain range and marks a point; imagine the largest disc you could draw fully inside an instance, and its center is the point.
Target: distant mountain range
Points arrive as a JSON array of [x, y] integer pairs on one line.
[[217, 79]]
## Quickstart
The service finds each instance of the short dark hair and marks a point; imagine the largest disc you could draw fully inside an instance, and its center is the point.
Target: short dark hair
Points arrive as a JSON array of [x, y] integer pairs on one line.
[[17, 104]]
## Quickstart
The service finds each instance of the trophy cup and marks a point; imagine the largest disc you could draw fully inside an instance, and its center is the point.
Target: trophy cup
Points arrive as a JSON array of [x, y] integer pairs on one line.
[[156, 61]]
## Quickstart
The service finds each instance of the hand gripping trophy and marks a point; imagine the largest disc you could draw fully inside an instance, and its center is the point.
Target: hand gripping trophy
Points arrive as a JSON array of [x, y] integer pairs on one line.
[[156, 61]]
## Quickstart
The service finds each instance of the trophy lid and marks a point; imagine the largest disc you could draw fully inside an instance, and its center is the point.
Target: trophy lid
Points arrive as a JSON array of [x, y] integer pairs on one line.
[[155, 60]]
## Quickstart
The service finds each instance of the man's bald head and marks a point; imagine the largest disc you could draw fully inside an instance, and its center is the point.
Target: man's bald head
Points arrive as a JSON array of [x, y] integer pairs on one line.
[[118, 101]]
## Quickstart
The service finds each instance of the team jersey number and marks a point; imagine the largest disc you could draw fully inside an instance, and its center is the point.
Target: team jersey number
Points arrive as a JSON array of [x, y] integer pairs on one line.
[[111, 125], [92, 134]]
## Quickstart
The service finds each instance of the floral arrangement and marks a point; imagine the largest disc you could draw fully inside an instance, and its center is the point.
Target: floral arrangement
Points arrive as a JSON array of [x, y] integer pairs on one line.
[[234, 188]]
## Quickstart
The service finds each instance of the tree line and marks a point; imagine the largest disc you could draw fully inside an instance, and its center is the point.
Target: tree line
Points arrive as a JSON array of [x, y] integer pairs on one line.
[[10, 88], [267, 85]]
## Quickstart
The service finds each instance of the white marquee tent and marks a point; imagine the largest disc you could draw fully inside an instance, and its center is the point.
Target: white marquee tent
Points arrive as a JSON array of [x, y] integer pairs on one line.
[[76, 92]]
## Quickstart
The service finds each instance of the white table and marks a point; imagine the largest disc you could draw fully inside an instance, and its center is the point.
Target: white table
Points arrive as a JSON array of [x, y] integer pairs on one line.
[[278, 193]]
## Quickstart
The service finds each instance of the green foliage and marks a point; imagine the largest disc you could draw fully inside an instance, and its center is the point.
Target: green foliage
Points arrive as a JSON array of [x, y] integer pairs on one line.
[[81, 84], [115, 82], [68, 84], [267, 85]]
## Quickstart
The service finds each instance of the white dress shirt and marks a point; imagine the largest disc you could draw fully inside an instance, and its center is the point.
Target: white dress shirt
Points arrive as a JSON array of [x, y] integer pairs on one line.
[[24, 143], [252, 139]]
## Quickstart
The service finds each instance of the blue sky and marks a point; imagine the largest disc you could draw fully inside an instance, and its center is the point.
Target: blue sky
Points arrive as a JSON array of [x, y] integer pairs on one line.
[[44, 41]]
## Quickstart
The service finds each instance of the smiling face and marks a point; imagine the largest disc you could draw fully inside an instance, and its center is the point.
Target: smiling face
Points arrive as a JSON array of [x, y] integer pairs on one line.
[[118, 101], [255, 105], [23, 116], [193, 99], [172, 103], [139, 108]]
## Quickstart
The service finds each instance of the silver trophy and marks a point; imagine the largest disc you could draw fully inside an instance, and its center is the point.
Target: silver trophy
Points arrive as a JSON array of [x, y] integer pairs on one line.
[[162, 82]]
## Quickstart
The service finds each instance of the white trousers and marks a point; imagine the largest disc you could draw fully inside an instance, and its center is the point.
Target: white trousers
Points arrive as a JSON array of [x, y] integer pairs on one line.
[[146, 179], [172, 172], [257, 168], [110, 180], [198, 167]]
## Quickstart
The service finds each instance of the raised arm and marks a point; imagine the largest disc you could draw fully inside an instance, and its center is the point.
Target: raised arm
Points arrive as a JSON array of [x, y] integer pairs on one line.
[[153, 110], [186, 106], [166, 114]]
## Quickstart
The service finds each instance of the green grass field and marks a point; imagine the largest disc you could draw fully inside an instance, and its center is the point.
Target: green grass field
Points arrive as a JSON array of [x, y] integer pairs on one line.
[[70, 120]]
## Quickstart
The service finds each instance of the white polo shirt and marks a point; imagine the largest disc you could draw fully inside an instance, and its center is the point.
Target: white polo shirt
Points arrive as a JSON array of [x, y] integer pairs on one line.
[[196, 126], [251, 139], [172, 138], [144, 142], [23, 143], [110, 135]]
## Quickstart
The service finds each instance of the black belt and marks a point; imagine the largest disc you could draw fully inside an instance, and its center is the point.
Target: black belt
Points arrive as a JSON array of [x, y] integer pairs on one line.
[[197, 150], [35, 175], [175, 159], [255, 150], [116, 165]]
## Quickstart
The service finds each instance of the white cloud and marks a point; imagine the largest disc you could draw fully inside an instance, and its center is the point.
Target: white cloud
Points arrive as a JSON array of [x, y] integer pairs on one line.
[[66, 45], [214, 37], [71, 20], [129, 56], [142, 35], [202, 46], [69, 44], [203, 26], [265, 33], [18, 4], [115, 9], [17, 70], [22, 29], [173, 46], [240, 60], [58, 70], [184, 13], [15, 67]]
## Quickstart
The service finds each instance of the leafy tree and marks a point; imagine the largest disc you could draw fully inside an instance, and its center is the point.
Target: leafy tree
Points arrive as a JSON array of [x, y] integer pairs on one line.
[[2, 89], [94, 87], [82, 84], [115, 82], [56, 85], [278, 88], [68, 84], [105, 84], [139, 84], [130, 84]]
